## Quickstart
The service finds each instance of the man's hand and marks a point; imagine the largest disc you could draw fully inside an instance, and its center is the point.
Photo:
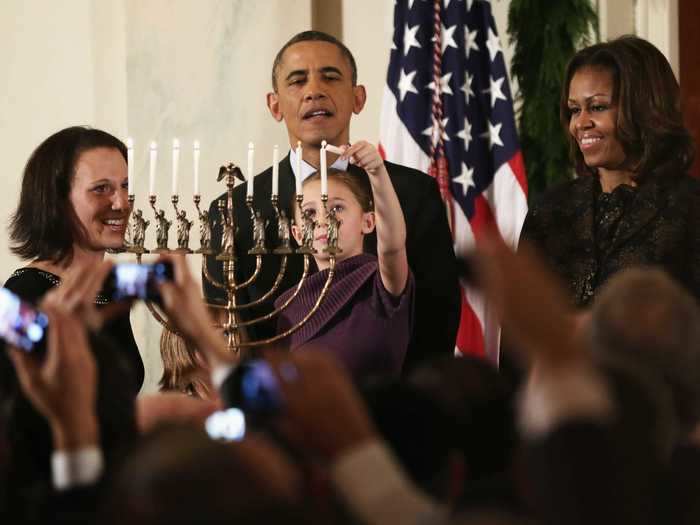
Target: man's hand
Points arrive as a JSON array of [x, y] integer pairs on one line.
[[63, 385], [323, 413], [172, 407], [532, 304]]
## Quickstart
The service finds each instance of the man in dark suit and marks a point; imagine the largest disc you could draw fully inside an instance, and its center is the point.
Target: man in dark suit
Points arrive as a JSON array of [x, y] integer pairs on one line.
[[315, 93]]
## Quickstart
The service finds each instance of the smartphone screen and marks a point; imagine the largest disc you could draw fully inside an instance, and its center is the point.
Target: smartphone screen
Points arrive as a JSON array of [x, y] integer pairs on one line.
[[21, 324], [255, 389], [227, 425], [137, 281]]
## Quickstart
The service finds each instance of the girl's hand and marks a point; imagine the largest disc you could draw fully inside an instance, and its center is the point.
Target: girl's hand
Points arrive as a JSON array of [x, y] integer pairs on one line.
[[364, 155]]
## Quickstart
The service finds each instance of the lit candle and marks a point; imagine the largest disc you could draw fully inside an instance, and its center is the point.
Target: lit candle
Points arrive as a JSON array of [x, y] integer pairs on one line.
[[251, 154], [130, 164], [195, 156], [275, 170], [176, 163], [153, 157], [324, 170], [298, 174]]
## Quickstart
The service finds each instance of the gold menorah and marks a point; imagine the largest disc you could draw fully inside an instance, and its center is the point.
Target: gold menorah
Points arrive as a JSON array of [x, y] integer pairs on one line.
[[227, 256]]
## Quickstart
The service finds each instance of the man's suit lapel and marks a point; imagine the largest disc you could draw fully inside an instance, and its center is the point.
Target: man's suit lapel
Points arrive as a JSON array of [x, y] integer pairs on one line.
[[286, 184]]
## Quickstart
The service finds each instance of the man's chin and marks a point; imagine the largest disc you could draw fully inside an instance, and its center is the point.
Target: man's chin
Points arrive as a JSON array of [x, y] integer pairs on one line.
[[314, 137]]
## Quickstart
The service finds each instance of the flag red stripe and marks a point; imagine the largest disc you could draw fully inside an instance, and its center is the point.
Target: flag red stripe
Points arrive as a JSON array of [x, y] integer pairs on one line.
[[470, 340], [483, 219], [517, 165]]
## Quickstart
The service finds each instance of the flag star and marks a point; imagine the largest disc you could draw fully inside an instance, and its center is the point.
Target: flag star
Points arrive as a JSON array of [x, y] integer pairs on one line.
[[409, 39], [493, 135], [466, 179], [447, 38], [444, 84], [466, 134], [467, 87], [495, 90], [406, 84], [493, 44], [433, 133], [470, 40]]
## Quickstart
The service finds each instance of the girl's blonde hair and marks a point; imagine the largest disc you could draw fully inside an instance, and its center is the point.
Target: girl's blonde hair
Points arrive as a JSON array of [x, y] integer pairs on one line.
[[182, 369]]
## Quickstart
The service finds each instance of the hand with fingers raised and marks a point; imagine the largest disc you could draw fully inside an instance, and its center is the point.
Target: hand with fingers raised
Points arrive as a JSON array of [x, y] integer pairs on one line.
[[182, 301], [62, 385]]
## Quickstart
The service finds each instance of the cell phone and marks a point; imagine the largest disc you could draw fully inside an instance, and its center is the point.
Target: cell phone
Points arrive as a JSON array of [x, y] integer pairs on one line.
[[21, 324], [137, 281], [226, 425], [253, 388]]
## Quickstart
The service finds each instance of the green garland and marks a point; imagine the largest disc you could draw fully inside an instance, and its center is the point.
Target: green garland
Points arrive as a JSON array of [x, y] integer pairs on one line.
[[546, 34]]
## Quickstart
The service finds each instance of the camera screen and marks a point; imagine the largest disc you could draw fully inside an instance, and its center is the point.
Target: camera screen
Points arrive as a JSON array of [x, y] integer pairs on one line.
[[228, 425], [139, 280], [20, 324], [259, 390]]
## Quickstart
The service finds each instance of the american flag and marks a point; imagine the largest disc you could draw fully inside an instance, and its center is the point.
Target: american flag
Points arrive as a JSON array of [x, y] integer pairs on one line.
[[447, 110]]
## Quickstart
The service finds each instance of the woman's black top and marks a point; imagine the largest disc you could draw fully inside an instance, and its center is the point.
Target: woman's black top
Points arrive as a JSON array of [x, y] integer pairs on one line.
[[587, 235], [120, 376], [31, 284]]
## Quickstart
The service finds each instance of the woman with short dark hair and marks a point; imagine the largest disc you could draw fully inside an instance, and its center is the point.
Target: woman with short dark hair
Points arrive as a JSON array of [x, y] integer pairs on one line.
[[73, 207], [632, 203]]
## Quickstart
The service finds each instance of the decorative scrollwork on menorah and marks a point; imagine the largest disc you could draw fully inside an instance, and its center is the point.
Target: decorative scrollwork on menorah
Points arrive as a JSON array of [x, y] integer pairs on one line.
[[227, 257]]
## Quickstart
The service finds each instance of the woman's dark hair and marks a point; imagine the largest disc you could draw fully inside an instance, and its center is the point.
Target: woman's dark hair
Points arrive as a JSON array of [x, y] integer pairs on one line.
[[45, 226], [649, 122]]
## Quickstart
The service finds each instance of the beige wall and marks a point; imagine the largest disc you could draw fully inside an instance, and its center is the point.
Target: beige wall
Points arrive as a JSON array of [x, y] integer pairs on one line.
[[153, 70]]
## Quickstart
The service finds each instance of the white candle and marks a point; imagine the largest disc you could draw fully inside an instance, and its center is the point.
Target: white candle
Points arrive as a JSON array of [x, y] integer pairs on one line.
[[298, 166], [130, 164], [153, 157], [195, 156], [251, 174], [275, 170], [176, 164], [324, 170]]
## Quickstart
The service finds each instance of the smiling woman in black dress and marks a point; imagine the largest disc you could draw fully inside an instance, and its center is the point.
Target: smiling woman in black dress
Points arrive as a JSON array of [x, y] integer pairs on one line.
[[73, 207], [632, 203]]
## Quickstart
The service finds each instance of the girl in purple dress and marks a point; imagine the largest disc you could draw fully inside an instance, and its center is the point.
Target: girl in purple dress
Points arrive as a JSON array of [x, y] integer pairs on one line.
[[367, 315]]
